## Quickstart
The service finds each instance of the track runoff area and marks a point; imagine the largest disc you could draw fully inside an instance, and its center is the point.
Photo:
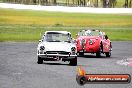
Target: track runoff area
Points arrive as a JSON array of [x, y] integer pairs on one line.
[[82, 77], [68, 9]]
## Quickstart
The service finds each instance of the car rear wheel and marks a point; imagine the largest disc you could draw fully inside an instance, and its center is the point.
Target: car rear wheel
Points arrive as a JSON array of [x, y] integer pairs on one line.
[[73, 62], [40, 60]]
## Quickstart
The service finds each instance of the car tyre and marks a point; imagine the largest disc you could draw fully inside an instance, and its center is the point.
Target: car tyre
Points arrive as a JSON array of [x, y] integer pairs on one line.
[[40, 60], [108, 54], [98, 54], [73, 62]]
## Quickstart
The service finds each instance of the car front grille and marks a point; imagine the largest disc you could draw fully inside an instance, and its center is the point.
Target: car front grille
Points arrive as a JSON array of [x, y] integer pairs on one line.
[[57, 52]]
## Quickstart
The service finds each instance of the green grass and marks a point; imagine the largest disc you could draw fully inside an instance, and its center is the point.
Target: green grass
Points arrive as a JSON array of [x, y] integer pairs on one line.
[[27, 25], [28, 17]]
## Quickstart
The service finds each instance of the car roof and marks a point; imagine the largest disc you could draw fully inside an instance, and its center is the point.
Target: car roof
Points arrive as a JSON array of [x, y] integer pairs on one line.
[[63, 32]]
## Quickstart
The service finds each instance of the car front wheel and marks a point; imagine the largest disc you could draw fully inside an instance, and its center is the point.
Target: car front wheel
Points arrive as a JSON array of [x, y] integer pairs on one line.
[[40, 60], [73, 62], [98, 54], [108, 54]]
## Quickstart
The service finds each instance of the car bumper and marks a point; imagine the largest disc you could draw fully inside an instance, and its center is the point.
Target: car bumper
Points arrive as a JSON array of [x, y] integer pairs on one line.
[[56, 55], [89, 50]]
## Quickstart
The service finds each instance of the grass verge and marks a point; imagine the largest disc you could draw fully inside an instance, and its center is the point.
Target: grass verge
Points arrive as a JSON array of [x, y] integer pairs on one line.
[[27, 25]]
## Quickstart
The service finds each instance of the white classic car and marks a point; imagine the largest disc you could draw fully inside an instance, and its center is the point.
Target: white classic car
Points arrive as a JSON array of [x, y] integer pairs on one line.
[[55, 46]]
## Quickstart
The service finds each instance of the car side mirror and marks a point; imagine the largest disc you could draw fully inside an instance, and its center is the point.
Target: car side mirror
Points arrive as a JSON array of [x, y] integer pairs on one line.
[[106, 37]]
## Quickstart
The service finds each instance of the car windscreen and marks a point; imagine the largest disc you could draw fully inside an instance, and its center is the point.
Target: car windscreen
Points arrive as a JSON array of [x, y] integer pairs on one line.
[[90, 33], [81, 33], [96, 33], [57, 37]]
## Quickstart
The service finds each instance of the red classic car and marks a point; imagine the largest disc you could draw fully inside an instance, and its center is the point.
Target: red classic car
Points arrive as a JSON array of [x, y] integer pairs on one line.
[[93, 41]]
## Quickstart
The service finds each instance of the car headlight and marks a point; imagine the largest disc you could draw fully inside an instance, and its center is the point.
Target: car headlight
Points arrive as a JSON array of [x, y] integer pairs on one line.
[[42, 47], [73, 49], [90, 42], [82, 43]]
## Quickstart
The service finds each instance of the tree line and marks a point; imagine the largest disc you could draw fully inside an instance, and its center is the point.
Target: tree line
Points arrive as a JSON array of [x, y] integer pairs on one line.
[[90, 3]]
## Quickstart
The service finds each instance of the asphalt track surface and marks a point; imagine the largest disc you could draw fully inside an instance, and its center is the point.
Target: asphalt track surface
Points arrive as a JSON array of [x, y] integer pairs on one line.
[[18, 67]]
